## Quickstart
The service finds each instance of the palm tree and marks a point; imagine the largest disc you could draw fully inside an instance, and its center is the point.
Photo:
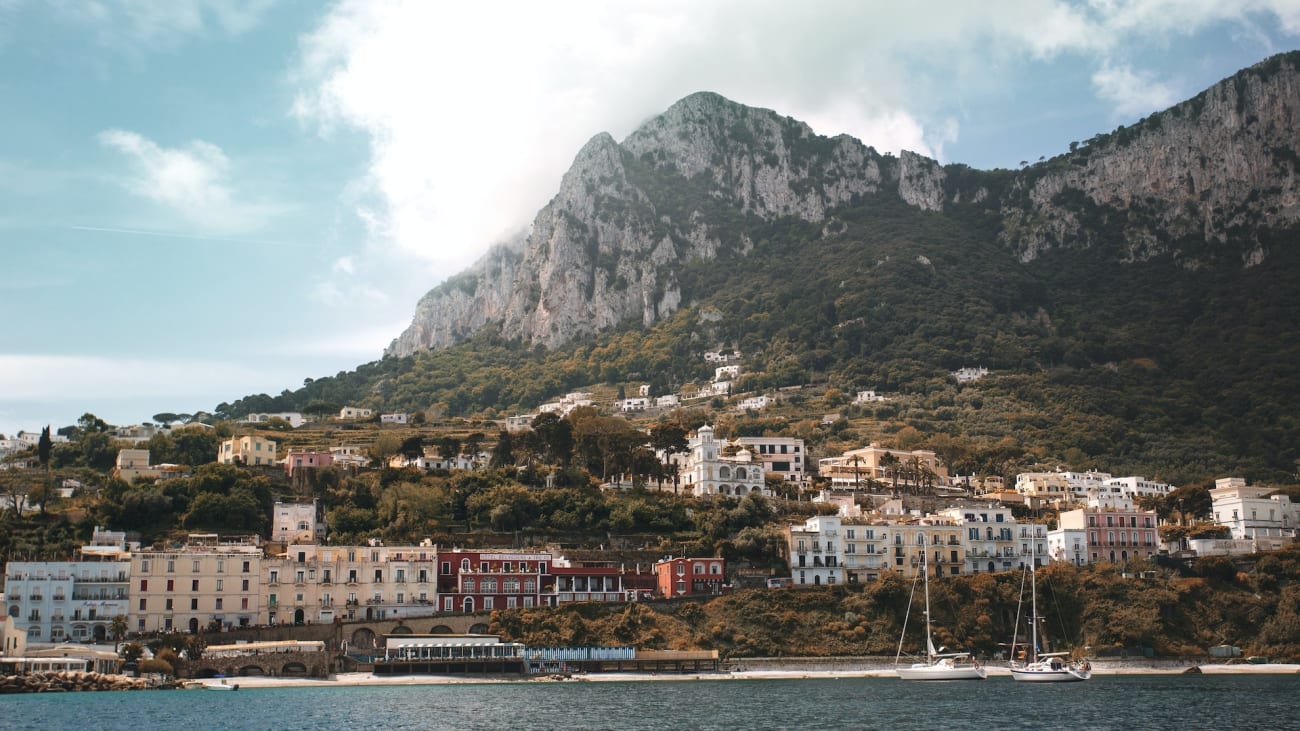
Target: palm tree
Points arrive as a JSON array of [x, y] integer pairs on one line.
[[117, 628]]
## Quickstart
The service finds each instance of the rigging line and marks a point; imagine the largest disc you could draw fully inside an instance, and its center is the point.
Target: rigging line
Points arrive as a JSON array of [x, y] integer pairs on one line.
[[1020, 602], [910, 599]]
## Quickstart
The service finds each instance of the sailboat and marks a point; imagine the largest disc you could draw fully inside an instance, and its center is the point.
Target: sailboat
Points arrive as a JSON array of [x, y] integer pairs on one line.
[[1043, 667], [937, 665]]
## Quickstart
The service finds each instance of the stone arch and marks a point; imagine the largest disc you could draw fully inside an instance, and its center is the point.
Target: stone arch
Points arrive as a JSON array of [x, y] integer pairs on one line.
[[299, 616], [294, 670], [480, 628], [99, 632], [724, 489], [206, 672], [362, 639], [740, 473], [251, 671], [401, 629], [441, 629], [724, 472], [740, 490], [194, 625]]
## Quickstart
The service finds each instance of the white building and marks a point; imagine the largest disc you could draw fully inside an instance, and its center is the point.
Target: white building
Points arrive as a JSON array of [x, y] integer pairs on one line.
[[704, 471], [718, 356], [628, 405], [297, 523], [392, 418], [754, 403], [355, 412], [784, 456], [866, 397], [1259, 514], [966, 375], [293, 418], [60, 601], [348, 455], [669, 401], [990, 536], [726, 373], [816, 551], [520, 422]]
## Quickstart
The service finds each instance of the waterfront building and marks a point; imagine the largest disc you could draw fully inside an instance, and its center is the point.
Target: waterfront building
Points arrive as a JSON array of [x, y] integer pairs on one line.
[[815, 551], [59, 601], [690, 576], [584, 581], [1113, 534], [989, 534], [478, 581], [866, 549], [298, 460], [203, 582]]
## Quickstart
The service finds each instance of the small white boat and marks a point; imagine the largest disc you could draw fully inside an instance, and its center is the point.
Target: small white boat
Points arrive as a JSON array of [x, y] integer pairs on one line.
[[937, 665], [223, 685], [1048, 667]]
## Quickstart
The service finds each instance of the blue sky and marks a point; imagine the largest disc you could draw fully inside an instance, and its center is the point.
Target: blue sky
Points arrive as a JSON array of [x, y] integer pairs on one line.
[[203, 199]]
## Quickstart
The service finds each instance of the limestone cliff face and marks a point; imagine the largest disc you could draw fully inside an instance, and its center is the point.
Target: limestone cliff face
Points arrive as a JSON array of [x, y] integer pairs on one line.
[[607, 247], [1195, 181], [1222, 162]]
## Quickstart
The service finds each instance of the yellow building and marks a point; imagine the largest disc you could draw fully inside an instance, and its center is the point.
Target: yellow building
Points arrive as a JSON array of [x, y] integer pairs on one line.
[[249, 450], [204, 581]]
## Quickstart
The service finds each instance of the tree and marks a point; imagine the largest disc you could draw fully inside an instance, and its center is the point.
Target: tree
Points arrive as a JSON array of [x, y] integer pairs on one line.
[[117, 628], [448, 447], [166, 418], [474, 443], [503, 454], [89, 423], [43, 447]]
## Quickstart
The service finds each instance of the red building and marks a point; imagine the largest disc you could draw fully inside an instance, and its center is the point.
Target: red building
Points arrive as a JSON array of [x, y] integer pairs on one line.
[[690, 576], [480, 581]]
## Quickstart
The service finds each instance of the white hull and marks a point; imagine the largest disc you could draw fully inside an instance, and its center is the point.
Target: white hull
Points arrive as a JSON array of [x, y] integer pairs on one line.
[[941, 671], [1043, 673]]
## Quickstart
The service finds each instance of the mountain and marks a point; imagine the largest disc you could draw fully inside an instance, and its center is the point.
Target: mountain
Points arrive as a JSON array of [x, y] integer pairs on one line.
[[1134, 297], [1196, 182]]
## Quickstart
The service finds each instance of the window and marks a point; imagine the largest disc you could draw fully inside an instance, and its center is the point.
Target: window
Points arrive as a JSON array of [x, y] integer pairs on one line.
[[144, 566], [245, 567], [243, 603], [171, 584], [194, 604], [221, 566], [379, 576], [220, 585], [167, 604], [142, 604], [144, 585], [171, 566], [218, 603], [194, 585], [196, 566], [469, 586]]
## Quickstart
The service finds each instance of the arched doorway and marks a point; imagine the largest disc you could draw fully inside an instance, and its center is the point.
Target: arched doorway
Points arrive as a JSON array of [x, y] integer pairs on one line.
[[363, 639], [298, 616], [441, 629], [253, 671], [194, 625], [99, 632], [293, 670], [468, 605], [478, 629], [401, 629]]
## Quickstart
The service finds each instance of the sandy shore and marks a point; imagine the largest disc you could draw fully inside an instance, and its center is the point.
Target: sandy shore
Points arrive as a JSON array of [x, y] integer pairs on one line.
[[360, 679]]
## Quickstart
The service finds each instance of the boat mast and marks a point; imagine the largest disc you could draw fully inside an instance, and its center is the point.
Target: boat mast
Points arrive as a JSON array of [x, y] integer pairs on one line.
[[925, 569], [1033, 591]]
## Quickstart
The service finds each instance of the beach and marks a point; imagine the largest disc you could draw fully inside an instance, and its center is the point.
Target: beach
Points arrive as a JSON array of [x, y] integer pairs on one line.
[[1101, 668]]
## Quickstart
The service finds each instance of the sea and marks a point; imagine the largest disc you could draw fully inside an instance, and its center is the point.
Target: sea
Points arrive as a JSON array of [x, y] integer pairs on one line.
[[1105, 702]]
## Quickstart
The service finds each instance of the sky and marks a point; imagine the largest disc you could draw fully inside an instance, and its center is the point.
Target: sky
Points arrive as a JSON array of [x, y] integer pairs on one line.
[[205, 199]]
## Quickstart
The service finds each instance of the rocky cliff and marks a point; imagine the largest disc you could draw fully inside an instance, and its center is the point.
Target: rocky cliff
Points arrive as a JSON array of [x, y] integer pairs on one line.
[[1198, 180]]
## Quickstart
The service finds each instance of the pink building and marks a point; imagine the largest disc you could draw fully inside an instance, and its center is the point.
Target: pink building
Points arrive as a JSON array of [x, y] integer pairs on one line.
[[1114, 534], [295, 462]]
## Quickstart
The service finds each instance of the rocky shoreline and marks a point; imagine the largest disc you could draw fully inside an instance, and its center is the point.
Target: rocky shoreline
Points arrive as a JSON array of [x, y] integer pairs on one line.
[[64, 682]]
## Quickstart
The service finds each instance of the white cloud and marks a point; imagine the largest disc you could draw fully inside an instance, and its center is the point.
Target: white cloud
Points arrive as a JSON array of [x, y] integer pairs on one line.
[[191, 181], [474, 111], [1133, 93]]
